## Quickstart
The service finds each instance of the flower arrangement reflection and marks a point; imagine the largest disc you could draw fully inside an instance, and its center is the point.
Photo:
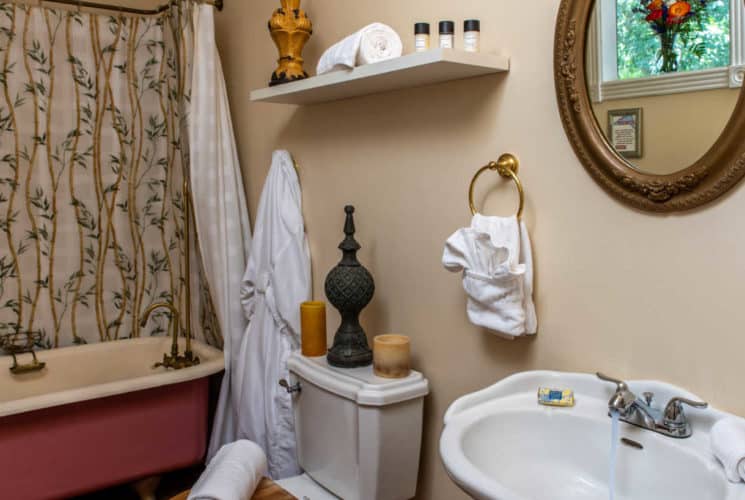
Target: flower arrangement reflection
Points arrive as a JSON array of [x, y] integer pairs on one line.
[[671, 19]]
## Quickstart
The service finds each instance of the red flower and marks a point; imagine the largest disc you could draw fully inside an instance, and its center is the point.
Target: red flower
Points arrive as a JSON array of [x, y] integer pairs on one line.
[[678, 12], [654, 15], [655, 5], [680, 9]]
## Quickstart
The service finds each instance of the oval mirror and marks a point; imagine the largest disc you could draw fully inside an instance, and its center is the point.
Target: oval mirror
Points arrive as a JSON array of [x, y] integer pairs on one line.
[[650, 94]]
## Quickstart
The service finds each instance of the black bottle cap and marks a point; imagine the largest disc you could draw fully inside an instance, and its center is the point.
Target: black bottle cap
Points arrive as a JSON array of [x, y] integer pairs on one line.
[[472, 25], [421, 29], [447, 27]]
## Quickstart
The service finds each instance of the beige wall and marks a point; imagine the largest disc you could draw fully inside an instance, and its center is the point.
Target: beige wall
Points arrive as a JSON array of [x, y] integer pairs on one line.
[[636, 295], [677, 128]]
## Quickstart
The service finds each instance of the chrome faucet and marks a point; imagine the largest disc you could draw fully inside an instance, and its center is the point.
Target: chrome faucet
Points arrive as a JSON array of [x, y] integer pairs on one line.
[[633, 410], [174, 361]]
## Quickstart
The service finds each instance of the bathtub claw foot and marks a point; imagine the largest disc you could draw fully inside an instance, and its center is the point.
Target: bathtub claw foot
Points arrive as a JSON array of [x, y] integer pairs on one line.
[[146, 488]]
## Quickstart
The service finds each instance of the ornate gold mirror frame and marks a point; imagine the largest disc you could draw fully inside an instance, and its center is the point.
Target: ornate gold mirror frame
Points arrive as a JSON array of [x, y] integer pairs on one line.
[[707, 179]]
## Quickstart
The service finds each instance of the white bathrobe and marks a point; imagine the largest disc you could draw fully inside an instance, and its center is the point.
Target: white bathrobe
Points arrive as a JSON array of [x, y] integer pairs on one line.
[[276, 282]]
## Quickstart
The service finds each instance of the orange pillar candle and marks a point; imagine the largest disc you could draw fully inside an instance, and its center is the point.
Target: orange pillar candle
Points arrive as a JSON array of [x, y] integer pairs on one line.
[[392, 356], [313, 329]]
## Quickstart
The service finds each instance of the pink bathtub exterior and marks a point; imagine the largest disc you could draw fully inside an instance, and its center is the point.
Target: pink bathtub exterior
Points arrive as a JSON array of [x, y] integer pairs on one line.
[[67, 449]]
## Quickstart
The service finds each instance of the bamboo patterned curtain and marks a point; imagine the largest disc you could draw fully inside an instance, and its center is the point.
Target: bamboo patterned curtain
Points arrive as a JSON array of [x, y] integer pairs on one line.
[[92, 151]]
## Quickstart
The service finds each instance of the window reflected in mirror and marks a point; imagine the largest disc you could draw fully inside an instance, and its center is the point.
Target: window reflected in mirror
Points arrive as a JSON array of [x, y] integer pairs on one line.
[[656, 36], [671, 61]]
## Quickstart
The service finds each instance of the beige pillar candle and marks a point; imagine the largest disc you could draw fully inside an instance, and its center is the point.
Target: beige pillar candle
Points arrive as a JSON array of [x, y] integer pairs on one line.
[[313, 329], [392, 356]]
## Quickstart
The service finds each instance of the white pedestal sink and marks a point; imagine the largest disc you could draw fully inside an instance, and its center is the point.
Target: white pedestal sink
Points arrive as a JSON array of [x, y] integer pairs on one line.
[[499, 444]]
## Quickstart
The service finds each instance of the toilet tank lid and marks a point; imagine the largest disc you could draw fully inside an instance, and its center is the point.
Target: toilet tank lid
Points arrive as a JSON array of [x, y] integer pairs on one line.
[[358, 384]]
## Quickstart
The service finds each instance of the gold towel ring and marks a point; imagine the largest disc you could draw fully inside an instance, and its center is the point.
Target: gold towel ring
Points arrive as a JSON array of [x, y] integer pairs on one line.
[[507, 166]]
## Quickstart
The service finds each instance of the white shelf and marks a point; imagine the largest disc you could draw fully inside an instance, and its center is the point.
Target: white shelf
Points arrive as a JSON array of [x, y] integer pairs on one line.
[[413, 70]]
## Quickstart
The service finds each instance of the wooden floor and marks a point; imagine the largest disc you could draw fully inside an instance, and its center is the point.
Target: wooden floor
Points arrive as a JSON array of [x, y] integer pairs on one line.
[[267, 490], [171, 484], [175, 483]]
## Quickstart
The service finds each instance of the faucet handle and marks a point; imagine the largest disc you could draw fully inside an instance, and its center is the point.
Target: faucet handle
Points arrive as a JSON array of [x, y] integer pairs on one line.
[[622, 386], [648, 397], [674, 415], [623, 399]]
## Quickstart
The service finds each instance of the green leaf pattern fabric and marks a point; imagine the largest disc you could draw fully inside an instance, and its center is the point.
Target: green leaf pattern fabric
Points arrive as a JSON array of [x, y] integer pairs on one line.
[[93, 117]]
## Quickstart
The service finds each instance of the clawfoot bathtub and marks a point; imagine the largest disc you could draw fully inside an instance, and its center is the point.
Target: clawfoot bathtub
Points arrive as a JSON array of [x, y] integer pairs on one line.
[[100, 415]]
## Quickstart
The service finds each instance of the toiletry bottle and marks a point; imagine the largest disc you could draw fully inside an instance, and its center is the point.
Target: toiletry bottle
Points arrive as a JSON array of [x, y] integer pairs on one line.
[[472, 35], [447, 34], [421, 37]]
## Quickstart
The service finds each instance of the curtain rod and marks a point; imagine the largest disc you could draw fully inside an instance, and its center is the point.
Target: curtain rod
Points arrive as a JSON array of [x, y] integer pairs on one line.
[[218, 4]]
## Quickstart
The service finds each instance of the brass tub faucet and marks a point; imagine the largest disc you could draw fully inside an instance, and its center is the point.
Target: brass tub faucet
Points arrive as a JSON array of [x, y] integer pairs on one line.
[[174, 360], [16, 345]]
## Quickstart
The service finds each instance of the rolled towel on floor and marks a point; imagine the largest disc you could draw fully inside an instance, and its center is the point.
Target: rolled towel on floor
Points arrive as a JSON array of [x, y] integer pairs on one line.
[[374, 43], [234, 473], [728, 445]]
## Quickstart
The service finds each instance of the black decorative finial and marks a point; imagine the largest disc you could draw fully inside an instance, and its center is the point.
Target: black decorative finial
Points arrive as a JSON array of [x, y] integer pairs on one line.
[[349, 246], [349, 288], [349, 223]]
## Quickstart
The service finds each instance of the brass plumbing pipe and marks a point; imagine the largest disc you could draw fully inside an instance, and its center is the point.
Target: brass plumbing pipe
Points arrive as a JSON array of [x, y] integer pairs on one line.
[[188, 359], [187, 265]]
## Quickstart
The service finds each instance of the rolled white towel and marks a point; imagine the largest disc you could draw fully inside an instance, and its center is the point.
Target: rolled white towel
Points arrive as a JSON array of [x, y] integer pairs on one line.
[[728, 445], [234, 473], [374, 43]]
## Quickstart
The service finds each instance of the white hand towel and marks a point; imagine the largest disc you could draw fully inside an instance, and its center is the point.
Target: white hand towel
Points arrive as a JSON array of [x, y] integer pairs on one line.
[[374, 43], [496, 260], [234, 473], [728, 445]]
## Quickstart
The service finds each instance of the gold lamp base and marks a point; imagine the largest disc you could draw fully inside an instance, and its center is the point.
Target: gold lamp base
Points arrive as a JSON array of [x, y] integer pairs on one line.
[[290, 29]]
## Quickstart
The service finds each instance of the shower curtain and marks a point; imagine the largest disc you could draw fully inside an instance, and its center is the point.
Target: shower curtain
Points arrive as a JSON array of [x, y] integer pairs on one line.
[[93, 149], [220, 211]]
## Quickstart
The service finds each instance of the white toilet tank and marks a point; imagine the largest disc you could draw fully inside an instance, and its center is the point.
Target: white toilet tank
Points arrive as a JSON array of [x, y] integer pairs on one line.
[[358, 435]]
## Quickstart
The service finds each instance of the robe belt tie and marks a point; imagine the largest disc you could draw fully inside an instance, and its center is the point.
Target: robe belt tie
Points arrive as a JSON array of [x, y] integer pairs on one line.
[[264, 287], [263, 283]]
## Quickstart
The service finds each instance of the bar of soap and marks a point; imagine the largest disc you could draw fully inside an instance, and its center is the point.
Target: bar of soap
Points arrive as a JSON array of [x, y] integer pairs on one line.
[[555, 397]]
